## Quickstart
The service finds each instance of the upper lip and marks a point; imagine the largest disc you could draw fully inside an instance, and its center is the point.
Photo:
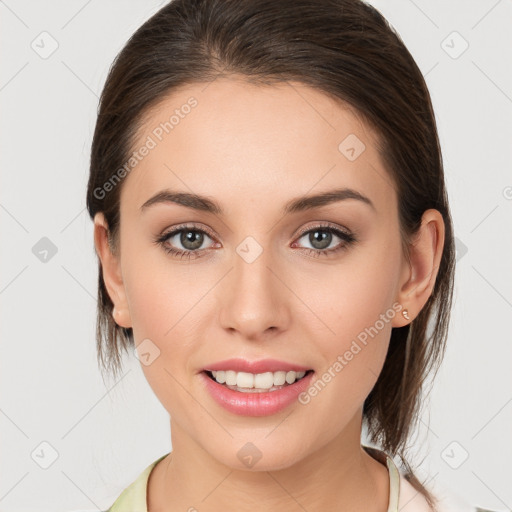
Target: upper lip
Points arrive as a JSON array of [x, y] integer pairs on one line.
[[261, 366]]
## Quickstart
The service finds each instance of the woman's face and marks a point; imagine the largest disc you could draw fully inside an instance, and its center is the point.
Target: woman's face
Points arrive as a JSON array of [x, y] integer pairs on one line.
[[261, 282]]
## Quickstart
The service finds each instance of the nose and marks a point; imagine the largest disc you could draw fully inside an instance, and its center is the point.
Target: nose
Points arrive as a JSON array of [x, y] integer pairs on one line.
[[254, 300]]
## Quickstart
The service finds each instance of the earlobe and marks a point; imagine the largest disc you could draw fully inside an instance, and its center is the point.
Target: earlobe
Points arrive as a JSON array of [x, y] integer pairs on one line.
[[111, 270], [421, 271]]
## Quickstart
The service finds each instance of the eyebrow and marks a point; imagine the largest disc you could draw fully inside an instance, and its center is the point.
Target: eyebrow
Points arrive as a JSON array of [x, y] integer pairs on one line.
[[299, 204]]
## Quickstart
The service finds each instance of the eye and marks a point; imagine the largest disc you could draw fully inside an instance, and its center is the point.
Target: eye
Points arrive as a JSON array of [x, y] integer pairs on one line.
[[322, 236], [190, 238]]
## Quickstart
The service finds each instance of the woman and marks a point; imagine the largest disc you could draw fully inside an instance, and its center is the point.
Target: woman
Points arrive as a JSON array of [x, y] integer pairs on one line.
[[275, 242]]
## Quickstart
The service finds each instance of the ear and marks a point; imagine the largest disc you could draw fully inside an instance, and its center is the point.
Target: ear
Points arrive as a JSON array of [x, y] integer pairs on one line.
[[418, 276], [111, 269]]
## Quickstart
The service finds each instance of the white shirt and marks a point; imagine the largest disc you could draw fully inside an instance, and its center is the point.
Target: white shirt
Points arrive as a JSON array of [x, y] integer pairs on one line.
[[403, 497]]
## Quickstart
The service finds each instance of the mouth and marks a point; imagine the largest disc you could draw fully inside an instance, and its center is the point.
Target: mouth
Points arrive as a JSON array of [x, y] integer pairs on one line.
[[266, 382]]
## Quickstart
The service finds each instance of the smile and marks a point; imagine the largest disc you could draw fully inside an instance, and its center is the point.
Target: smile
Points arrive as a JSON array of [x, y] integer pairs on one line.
[[248, 400], [256, 383]]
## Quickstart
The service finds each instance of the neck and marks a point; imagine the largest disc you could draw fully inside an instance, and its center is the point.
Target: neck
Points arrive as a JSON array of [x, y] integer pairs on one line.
[[340, 476]]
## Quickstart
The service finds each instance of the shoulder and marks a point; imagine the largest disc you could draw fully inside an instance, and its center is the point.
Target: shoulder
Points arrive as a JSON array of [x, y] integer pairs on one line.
[[404, 497], [411, 500], [133, 497]]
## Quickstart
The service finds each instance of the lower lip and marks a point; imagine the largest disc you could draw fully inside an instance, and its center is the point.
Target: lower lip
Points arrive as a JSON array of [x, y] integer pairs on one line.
[[256, 404]]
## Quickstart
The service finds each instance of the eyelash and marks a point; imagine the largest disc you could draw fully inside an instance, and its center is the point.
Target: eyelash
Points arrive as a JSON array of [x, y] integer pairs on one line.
[[347, 237]]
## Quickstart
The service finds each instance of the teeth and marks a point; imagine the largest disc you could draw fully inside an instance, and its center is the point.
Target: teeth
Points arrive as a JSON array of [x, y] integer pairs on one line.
[[265, 380]]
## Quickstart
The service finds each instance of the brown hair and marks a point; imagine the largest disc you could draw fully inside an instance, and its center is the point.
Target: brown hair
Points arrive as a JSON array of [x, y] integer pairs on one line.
[[344, 48]]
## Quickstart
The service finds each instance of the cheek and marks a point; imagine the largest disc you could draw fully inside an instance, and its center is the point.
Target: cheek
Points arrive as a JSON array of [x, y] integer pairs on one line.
[[352, 351], [164, 301], [156, 294], [162, 330], [353, 314], [151, 307], [347, 298]]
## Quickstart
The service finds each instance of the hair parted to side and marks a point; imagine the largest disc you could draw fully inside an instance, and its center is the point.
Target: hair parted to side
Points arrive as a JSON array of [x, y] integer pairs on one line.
[[344, 48]]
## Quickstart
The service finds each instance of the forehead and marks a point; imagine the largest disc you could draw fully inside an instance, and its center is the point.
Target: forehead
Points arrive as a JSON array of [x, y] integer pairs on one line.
[[238, 141]]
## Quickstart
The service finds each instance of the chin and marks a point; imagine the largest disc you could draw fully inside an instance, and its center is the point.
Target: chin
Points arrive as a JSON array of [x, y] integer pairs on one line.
[[256, 456]]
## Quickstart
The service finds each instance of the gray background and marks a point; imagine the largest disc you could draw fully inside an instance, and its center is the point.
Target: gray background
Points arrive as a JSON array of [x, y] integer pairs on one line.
[[71, 441]]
